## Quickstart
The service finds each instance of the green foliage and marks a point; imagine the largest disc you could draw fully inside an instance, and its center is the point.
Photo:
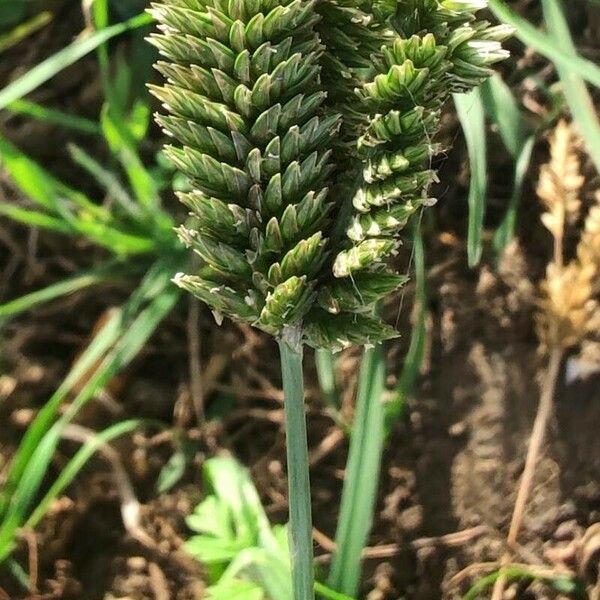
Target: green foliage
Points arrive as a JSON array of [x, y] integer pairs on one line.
[[234, 539], [62, 288], [245, 557], [11, 12], [471, 112], [413, 361], [136, 234], [65, 57], [136, 237], [136, 230], [53, 116], [20, 32], [573, 86], [559, 583], [112, 349], [306, 133], [362, 474], [545, 44], [503, 110], [371, 427]]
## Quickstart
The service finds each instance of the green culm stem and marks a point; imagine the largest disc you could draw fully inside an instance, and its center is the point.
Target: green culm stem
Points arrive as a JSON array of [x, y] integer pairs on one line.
[[301, 545]]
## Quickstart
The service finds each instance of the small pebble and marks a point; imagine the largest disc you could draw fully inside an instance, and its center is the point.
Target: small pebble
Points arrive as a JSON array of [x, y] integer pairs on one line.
[[566, 531], [416, 420], [411, 519], [137, 563], [458, 429], [7, 386], [33, 374], [566, 511], [22, 417]]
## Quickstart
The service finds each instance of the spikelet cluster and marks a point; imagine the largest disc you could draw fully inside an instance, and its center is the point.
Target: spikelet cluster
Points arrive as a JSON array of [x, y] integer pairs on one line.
[[570, 311], [560, 182], [306, 129]]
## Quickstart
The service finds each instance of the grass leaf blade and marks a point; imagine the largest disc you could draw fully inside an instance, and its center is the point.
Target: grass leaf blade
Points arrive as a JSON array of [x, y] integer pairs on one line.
[[544, 44], [471, 113], [54, 116], [131, 342], [506, 230], [76, 463], [362, 475], [573, 86], [63, 288], [120, 319], [66, 57]]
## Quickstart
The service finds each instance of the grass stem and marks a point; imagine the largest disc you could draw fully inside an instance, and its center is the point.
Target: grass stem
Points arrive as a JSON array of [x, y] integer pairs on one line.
[[301, 545], [538, 436]]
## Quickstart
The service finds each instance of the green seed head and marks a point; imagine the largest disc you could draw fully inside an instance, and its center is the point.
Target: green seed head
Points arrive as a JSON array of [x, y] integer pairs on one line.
[[306, 132]]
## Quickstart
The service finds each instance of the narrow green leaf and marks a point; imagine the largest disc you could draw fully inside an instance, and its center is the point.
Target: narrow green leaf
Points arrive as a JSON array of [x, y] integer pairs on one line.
[[503, 109], [156, 280], [41, 187], [20, 32], [76, 212], [54, 116], [362, 475], [516, 573], [545, 44], [115, 128], [73, 467], [101, 21], [66, 57], [573, 86], [107, 179], [19, 574], [506, 230], [471, 113], [326, 592], [126, 348], [172, 472], [69, 286], [35, 218]]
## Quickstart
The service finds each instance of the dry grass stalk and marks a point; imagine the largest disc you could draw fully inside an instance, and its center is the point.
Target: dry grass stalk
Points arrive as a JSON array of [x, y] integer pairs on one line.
[[568, 309]]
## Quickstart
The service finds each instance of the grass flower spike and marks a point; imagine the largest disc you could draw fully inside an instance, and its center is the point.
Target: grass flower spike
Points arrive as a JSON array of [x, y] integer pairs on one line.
[[570, 311], [255, 103], [306, 129], [245, 100]]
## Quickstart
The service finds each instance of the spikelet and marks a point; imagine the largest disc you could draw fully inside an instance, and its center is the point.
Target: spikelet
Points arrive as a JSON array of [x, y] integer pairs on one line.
[[433, 48], [560, 181], [588, 250], [286, 116], [569, 311]]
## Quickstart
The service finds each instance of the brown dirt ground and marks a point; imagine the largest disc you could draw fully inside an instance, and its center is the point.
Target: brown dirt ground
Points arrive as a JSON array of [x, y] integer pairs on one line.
[[450, 468]]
